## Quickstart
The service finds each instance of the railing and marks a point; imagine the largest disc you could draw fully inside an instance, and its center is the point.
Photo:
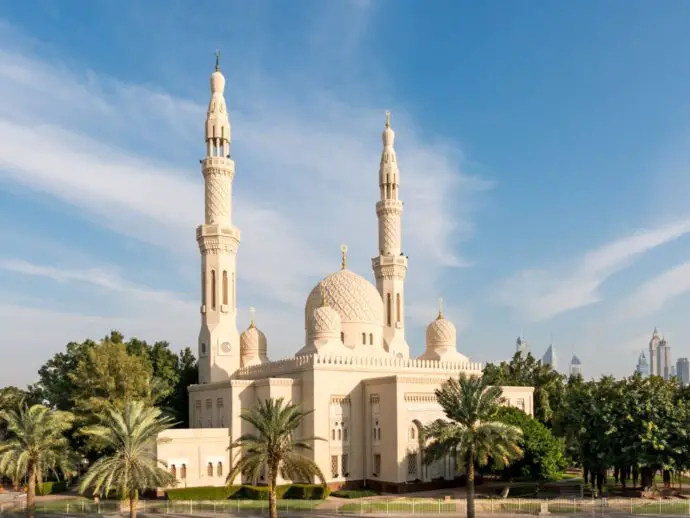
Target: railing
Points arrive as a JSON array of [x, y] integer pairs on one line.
[[362, 507]]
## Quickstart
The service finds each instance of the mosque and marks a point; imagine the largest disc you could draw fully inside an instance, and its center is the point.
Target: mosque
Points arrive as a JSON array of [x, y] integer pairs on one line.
[[369, 397]]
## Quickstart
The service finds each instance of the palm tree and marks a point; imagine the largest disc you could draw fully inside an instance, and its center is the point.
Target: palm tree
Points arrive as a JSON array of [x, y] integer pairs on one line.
[[130, 436], [35, 444], [274, 446], [471, 434]]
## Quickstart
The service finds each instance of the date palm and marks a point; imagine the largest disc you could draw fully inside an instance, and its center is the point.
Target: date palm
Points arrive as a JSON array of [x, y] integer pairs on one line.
[[471, 433], [274, 446], [35, 444], [129, 436]]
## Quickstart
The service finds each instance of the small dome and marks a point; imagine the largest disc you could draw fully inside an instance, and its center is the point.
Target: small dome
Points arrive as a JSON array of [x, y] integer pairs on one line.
[[441, 332], [354, 298], [253, 345], [324, 323]]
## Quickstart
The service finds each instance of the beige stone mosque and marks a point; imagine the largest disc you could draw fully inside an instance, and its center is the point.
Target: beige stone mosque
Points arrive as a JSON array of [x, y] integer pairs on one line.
[[369, 397]]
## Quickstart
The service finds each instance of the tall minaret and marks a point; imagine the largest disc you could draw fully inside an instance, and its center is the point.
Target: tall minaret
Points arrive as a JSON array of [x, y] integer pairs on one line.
[[219, 340], [390, 266]]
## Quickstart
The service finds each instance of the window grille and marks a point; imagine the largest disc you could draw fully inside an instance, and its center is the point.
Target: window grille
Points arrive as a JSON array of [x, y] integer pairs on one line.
[[334, 466]]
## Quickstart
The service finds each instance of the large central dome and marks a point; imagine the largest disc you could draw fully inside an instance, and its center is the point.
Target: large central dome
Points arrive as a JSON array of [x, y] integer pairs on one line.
[[355, 298]]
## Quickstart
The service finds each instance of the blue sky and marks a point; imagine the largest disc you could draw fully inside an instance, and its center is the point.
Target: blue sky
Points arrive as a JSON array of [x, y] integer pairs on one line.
[[544, 154]]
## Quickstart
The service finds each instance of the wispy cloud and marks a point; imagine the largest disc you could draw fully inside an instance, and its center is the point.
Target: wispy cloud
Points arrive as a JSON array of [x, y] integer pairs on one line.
[[542, 294], [656, 293], [126, 157]]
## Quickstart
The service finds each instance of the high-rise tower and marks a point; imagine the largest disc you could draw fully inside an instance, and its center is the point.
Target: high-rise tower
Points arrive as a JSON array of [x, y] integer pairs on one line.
[[390, 266], [218, 239]]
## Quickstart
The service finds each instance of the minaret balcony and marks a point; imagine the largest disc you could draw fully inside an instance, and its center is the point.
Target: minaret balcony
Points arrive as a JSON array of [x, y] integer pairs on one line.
[[217, 161]]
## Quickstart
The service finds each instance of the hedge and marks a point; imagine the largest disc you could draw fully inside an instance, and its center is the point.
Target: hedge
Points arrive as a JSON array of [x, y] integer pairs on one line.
[[285, 492], [51, 488], [354, 493]]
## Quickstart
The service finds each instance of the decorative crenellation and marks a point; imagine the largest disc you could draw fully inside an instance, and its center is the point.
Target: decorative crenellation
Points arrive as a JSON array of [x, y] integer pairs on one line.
[[415, 397], [217, 243], [340, 400], [358, 363], [389, 271]]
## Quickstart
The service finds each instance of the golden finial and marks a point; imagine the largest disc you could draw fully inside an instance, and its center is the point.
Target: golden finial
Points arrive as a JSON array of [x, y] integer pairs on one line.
[[440, 309], [343, 253], [388, 119], [217, 59], [322, 289], [252, 310]]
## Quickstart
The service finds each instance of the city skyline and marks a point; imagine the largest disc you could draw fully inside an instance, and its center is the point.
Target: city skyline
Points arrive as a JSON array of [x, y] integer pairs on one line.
[[545, 164]]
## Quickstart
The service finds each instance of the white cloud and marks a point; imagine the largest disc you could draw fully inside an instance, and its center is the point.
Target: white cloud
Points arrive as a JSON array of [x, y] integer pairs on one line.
[[306, 181], [542, 294], [657, 292]]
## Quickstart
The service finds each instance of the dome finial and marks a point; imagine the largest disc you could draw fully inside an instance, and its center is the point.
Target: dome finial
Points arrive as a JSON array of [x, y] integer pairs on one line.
[[440, 309], [252, 310], [217, 59], [343, 254], [388, 119]]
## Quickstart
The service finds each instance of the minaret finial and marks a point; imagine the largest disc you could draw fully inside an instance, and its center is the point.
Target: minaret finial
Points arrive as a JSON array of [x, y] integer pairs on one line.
[[217, 59], [252, 311], [343, 256], [388, 119], [440, 309]]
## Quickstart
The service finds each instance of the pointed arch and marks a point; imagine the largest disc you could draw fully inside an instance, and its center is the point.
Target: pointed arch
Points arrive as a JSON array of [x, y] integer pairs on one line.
[[389, 309], [213, 289], [225, 287], [398, 308]]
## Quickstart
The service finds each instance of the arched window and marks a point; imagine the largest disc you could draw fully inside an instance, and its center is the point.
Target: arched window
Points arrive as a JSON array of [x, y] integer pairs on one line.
[[225, 287], [183, 472], [340, 434], [209, 469], [213, 289], [342, 337], [203, 288], [371, 338], [413, 432], [398, 307], [220, 469], [388, 309], [364, 339], [173, 471]]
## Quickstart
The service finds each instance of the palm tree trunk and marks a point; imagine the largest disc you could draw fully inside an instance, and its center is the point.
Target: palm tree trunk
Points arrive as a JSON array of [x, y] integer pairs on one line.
[[272, 494], [470, 483], [31, 491], [132, 503]]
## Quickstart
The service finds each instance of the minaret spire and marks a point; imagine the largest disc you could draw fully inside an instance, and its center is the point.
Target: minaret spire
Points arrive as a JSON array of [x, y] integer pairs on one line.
[[390, 267], [218, 239]]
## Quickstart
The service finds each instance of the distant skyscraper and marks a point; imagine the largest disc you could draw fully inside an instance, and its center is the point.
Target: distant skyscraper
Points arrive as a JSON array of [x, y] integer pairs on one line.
[[575, 366], [642, 365], [521, 346], [549, 358], [683, 371], [659, 356]]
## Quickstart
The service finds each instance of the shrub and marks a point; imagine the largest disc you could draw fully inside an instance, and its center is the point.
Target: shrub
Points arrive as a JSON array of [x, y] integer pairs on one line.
[[51, 488], [353, 493], [289, 491]]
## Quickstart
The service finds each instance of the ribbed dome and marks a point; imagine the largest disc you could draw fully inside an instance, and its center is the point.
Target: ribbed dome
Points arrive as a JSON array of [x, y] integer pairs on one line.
[[324, 323], [441, 332], [252, 344], [354, 298]]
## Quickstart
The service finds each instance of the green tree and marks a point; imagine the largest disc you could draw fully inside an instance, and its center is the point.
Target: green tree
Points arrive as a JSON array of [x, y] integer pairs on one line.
[[36, 444], [274, 446], [129, 434], [472, 434], [526, 371], [544, 457]]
